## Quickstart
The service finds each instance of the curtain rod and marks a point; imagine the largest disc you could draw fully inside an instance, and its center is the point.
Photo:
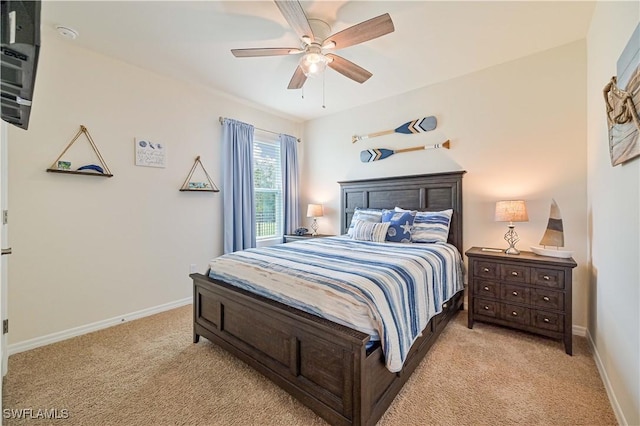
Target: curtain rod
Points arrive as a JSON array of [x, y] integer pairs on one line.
[[258, 128]]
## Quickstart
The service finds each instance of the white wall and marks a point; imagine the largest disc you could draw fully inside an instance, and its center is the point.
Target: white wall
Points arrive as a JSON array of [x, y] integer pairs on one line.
[[518, 129], [88, 248], [614, 221]]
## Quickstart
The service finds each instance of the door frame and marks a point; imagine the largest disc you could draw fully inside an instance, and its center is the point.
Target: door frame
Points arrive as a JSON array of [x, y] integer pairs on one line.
[[4, 243]]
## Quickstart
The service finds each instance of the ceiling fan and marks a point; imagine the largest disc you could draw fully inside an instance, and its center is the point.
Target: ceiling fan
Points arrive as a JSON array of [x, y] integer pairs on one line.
[[316, 42]]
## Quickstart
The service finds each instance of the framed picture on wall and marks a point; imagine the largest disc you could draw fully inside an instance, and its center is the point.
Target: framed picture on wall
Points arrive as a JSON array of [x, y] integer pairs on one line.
[[150, 154], [622, 99]]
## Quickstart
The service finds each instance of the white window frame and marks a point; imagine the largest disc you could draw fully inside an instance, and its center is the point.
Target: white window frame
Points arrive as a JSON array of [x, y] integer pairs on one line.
[[265, 138]]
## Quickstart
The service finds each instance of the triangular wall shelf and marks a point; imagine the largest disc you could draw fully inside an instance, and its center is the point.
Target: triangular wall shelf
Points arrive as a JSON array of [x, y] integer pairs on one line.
[[54, 168], [198, 186]]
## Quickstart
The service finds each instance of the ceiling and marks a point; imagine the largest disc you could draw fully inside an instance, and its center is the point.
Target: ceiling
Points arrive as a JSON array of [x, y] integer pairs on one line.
[[433, 42]]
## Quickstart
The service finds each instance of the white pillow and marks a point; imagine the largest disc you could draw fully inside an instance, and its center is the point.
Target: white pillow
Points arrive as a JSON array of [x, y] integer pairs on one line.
[[370, 231], [430, 227], [368, 215]]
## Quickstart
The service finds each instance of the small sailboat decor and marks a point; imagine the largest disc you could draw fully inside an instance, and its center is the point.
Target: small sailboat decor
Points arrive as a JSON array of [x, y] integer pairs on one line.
[[553, 236]]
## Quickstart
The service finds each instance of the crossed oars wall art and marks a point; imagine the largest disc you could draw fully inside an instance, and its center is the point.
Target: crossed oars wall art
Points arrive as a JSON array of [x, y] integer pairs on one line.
[[419, 125], [371, 155]]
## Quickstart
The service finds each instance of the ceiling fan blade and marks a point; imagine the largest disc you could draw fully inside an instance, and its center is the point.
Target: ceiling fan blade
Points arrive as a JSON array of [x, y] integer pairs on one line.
[[298, 79], [275, 51], [359, 33], [348, 68], [293, 13]]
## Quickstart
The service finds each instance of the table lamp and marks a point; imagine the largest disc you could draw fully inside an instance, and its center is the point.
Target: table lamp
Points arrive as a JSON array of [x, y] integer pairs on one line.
[[315, 211], [511, 211]]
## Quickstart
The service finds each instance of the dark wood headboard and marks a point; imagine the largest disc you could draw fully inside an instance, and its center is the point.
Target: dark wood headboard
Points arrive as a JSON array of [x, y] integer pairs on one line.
[[433, 192]]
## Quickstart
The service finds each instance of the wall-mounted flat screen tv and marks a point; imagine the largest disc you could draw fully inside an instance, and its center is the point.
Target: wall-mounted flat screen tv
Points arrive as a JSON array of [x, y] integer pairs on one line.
[[20, 37]]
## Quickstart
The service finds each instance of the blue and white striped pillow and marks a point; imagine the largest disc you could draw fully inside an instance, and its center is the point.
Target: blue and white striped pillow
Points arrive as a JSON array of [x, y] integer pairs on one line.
[[370, 231], [430, 227], [368, 215]]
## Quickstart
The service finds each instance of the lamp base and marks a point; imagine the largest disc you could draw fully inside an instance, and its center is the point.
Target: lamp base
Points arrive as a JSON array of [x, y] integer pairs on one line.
[[314, 226], [512, 250], [512, 238]]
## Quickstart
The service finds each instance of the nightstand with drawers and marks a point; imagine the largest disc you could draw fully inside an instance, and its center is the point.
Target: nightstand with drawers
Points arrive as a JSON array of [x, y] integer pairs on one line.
[[526, 292]]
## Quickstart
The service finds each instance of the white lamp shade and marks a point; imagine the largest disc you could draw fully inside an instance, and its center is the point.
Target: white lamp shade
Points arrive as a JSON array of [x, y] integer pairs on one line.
[[511, 211], [315, 210]]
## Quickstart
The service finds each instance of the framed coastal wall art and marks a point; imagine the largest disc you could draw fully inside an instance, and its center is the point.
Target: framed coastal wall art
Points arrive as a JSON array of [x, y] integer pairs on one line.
[[622, 101], [150, 154]]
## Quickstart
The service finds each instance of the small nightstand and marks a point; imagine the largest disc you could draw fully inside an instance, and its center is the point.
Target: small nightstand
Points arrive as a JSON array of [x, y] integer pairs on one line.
[[526, 292], [291, 238]]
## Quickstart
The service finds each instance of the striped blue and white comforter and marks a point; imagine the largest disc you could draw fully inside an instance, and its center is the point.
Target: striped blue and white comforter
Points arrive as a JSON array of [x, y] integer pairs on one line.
[[388, 290]]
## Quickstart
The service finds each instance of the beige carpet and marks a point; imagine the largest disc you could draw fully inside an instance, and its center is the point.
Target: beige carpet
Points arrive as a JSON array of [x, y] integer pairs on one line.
[[148, 372]]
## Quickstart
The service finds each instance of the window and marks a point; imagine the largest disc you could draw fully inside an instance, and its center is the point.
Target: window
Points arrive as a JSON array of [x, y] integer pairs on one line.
[[267, 184]]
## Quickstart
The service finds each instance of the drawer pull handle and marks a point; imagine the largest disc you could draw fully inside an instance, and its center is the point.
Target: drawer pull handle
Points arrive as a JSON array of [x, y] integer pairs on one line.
[[515, 293], [486, 288], [514, 313], [486, 308], [546, 298], [546, 320], [546, 277], [485, 269], [514, 273]]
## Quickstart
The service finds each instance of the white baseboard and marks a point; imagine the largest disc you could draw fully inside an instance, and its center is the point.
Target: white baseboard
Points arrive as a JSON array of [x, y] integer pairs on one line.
[[605, 380], [579, 330], [26, 345]]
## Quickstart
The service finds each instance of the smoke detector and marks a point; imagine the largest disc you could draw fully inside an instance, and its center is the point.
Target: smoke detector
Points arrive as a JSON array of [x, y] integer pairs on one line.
[[67, 32]]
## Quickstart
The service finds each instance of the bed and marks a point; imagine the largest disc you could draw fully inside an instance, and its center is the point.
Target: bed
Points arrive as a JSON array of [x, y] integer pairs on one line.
[[327, 366]]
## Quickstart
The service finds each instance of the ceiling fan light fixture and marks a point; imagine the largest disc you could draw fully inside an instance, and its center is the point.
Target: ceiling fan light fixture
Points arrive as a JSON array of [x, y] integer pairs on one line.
[[313, 63]]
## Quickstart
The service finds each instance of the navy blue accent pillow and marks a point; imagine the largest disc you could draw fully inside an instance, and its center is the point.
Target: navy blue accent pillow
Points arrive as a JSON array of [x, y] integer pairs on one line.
[[400, 224]]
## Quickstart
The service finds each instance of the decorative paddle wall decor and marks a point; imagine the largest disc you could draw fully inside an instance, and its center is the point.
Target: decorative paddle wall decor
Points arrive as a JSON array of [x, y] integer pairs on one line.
[[419, 125], [371, 155]]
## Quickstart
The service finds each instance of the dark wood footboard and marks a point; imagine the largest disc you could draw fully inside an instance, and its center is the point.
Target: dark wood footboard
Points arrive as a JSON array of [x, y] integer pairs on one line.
[[323, 364]]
